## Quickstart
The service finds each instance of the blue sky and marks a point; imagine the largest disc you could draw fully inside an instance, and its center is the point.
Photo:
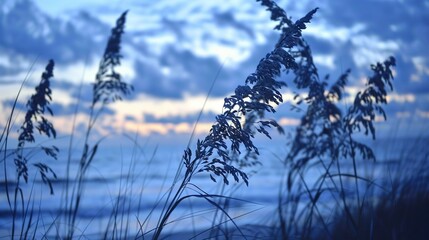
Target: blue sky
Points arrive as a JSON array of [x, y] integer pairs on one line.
[[174, 49]]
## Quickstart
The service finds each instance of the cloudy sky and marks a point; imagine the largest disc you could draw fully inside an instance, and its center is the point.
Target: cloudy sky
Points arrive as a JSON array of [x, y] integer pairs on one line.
[[174, 49]]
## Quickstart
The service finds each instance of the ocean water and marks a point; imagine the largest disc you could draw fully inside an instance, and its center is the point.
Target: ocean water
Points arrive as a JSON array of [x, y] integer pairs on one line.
[[134, 182], [137, 180]]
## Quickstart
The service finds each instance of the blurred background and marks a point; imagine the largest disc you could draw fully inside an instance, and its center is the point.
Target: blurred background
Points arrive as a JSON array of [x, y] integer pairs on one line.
[[173, 50]]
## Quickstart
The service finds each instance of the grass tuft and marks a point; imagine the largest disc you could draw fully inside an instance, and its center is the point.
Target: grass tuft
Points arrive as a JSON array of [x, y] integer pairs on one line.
[[326, 192]]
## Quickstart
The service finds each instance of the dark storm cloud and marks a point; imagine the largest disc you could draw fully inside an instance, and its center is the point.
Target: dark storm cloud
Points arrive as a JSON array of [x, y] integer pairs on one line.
[[74, 41], [174, 26], [176, 71], [322, 46], [228, 19], [187, 73], [390, 19], [403, 21], [130, 118], [403, 81], [27, 31], [151, 81], [58, 109], [191, 118], [286, 110], [318, 46], [83, 93], [21, 106]]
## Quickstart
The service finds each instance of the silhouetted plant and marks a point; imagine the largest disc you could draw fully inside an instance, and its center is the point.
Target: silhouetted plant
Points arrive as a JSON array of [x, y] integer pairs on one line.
[[108, 83], [324, 136], [108, 88], [37, 105], [367, 103], [324, 132], [401, 203], [261, 89]]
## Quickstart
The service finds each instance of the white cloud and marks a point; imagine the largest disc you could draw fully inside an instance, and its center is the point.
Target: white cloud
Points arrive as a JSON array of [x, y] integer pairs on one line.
[[204, 38], [423, 114], [62, 97], [10, 91], [370, 49], [86, 71], [404, 114], [323, 30], [164, 107], [391, 97], [231, 54], [16, 61], [289, 121], [401, 98], [326, 60], [5, 61], [421, 68]]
